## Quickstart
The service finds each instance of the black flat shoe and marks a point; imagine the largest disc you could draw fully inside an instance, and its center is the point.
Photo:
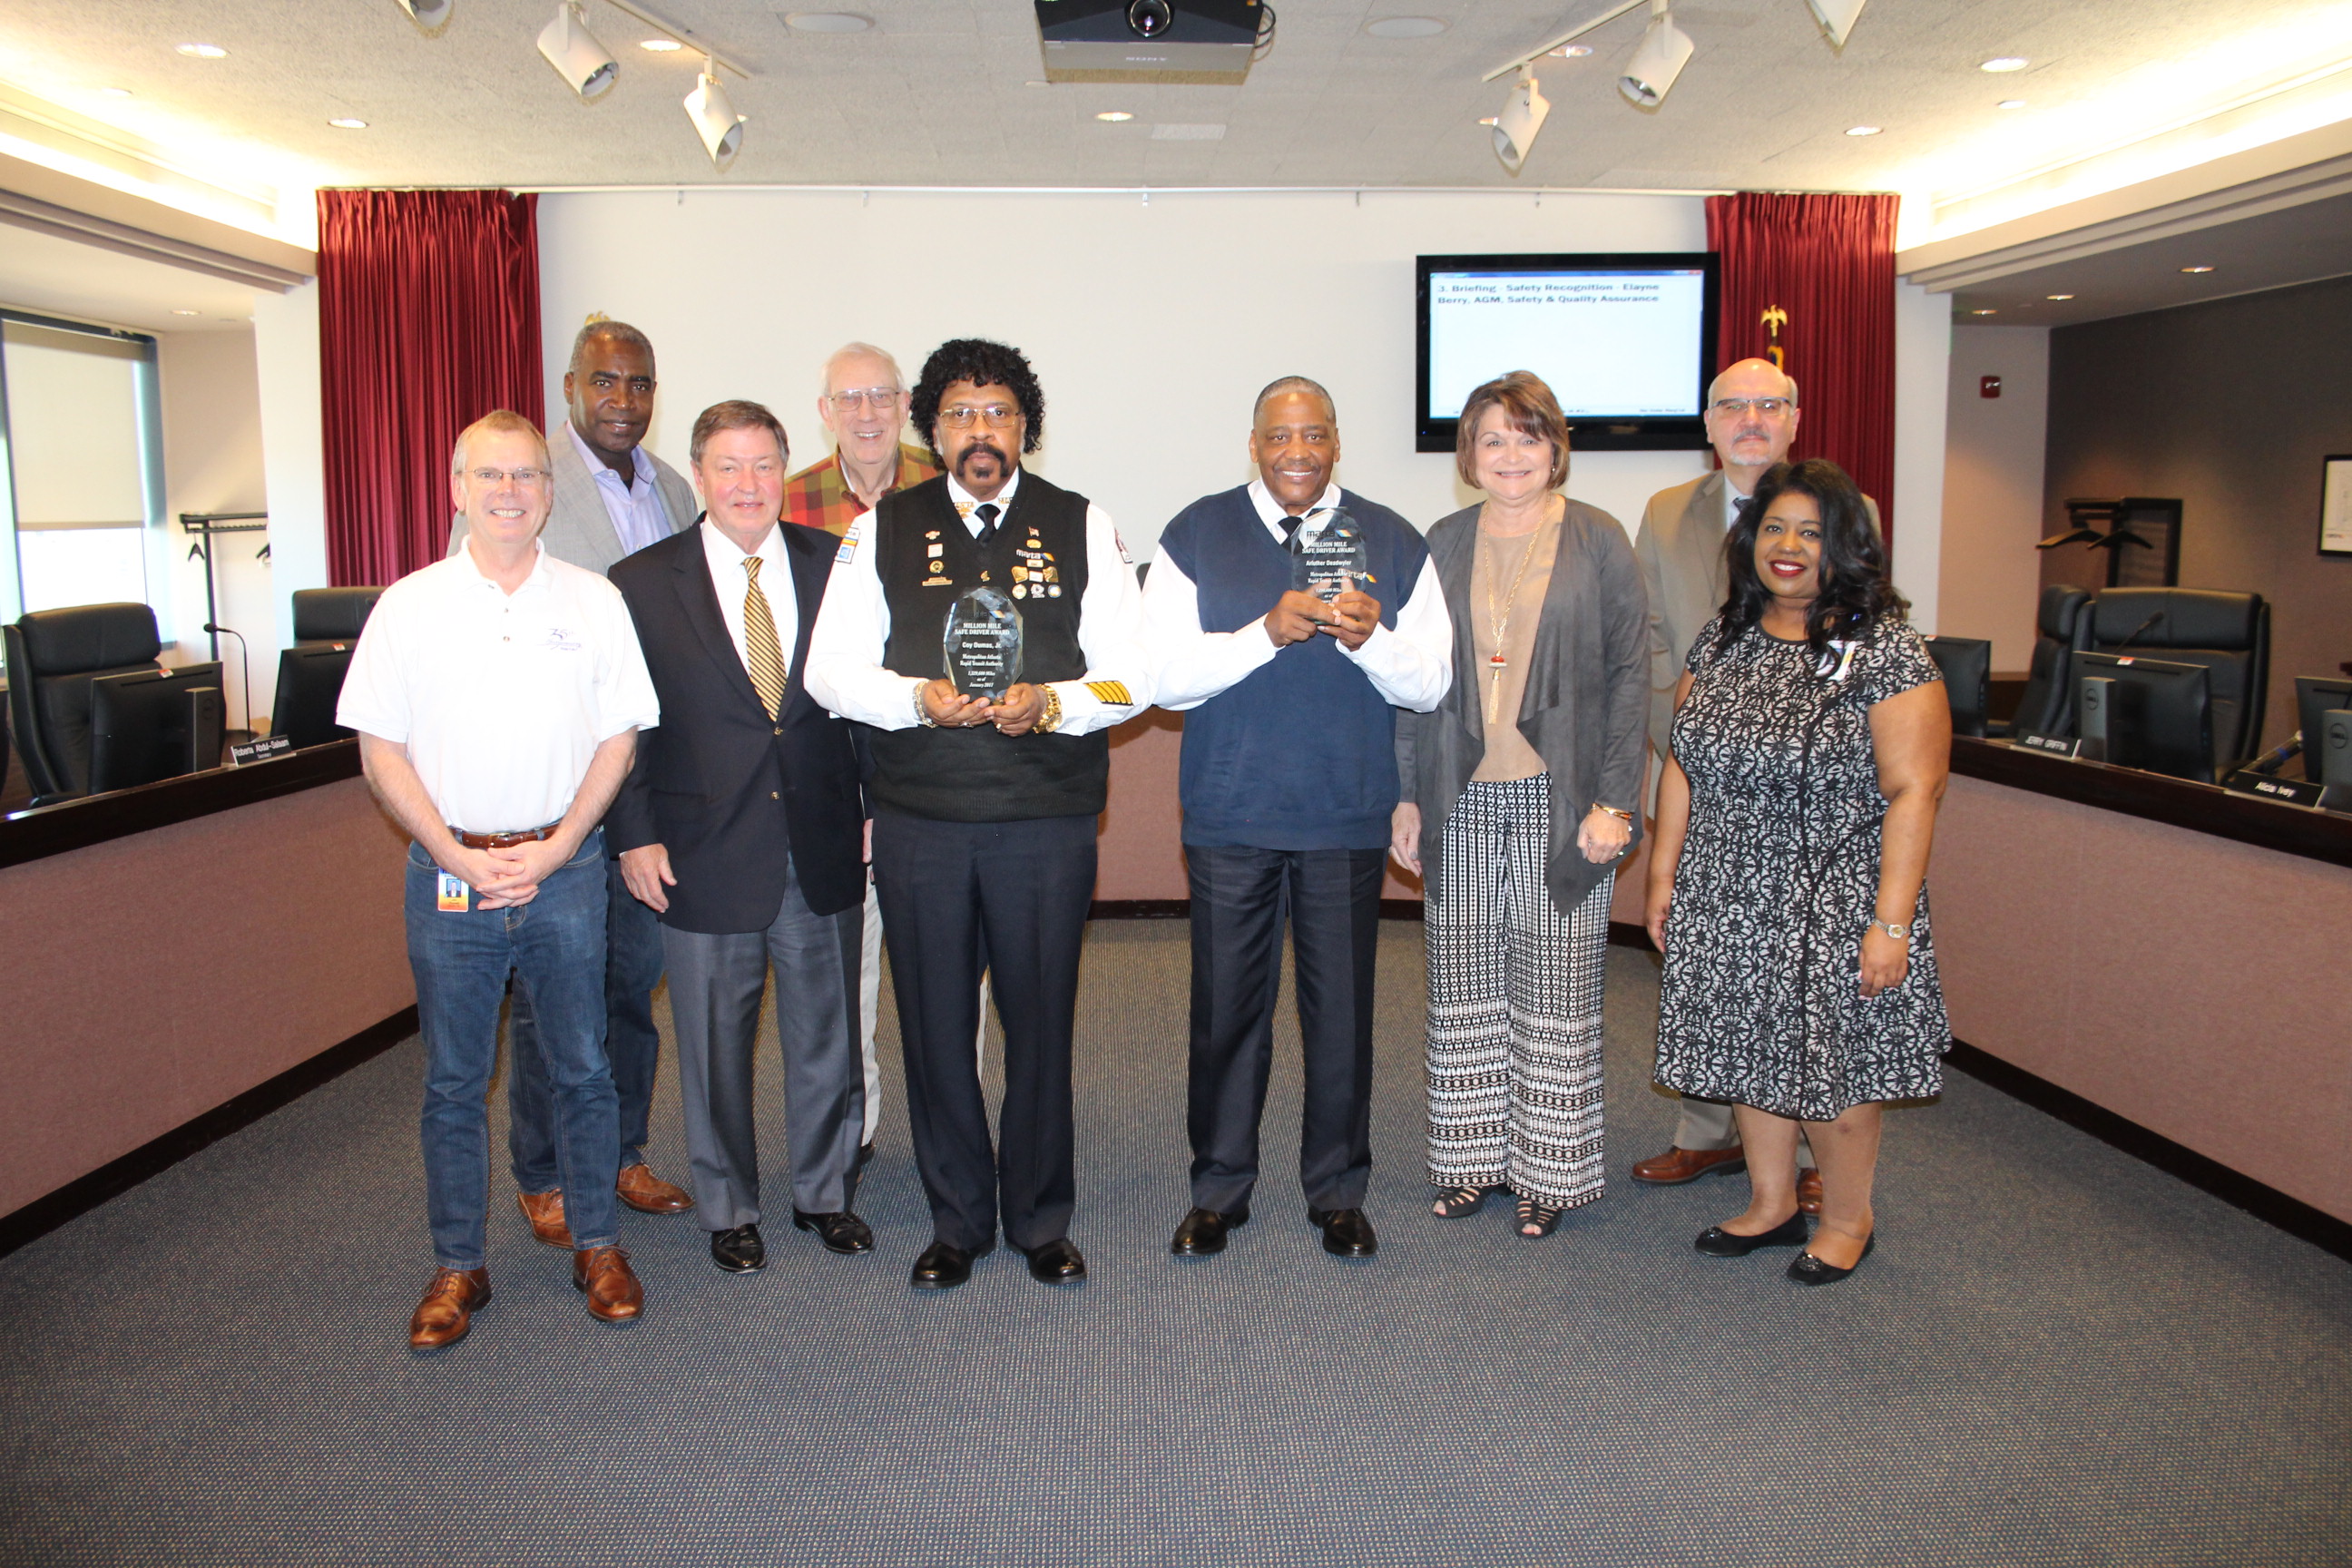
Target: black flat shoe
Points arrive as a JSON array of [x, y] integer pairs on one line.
[[1717, 1242], [1058, 1262], [943, 1267], [1807, 1269], [1346, 1232], [843, 1233], [1202, 1233], [739, 1251]]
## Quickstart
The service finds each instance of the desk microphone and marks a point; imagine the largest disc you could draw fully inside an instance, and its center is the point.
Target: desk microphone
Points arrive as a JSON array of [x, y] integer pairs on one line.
[[245, 668], [2270, 761], [2127, 643]]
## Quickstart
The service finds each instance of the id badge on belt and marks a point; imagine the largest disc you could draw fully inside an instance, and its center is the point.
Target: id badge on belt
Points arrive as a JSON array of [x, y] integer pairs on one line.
[[455, 894]]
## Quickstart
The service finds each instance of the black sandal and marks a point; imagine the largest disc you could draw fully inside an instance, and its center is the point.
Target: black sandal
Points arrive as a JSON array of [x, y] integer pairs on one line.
[[1542, 1215], [1461, 1202]]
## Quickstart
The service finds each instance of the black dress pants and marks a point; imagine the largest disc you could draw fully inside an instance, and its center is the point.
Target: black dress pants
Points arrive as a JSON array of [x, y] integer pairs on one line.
[[1014, 897], [1241, 900]]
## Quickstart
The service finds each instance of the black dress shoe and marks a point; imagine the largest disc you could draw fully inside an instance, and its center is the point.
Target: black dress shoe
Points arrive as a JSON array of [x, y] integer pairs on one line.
[[943, 1267], [1807, 1269], [1717, 1242], [1058, 1262], [739, 1251], [843, 1233], [1346, 1232], [1202, 1233]]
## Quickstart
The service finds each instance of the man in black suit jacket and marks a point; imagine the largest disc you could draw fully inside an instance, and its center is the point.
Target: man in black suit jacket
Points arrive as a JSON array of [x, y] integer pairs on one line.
[[742, 825]]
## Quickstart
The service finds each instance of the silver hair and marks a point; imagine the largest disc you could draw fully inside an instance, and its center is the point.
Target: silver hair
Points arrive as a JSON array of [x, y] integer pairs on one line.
[[1728, 369], [860, 351], [501, 422], [619, 332], [1294, 384]]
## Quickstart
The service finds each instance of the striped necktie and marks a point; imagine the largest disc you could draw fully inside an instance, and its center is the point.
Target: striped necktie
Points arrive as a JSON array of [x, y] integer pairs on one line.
[[762, 655]]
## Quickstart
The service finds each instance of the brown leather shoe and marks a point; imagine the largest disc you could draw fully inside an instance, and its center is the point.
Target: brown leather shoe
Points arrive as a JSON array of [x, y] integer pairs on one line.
[[447, 1310], [545, 1211], [604, 1275], [1678, 1165], [1809, 1191], [648, 1194]]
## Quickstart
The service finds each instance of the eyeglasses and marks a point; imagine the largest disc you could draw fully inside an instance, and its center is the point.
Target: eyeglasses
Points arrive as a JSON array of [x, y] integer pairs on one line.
[[882, 397], [524, 477], [997, 416], [1770, 407]]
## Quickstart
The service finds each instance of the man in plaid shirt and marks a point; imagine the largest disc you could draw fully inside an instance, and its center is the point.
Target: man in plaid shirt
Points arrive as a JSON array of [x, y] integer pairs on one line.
[[865, 407]]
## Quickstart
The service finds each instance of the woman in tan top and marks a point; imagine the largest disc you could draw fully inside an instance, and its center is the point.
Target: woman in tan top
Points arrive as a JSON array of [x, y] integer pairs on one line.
[[1521, 796]]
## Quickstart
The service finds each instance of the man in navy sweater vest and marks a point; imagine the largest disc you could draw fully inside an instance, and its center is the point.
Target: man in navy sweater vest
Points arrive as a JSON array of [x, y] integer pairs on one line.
[[1287, 780]]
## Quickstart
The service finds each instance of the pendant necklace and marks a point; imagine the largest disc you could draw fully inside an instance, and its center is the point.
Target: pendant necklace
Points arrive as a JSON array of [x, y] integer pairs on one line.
[[1497, 661]]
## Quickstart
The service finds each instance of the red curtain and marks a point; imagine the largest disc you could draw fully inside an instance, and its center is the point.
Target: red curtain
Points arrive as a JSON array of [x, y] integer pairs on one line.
[[428, 319], [1813, 276]]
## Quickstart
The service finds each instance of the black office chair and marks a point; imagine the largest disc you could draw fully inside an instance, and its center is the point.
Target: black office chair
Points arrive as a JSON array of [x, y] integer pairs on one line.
[[53, 656], [332, 614], [2062, 625], [1967, 664], [2227, 632]]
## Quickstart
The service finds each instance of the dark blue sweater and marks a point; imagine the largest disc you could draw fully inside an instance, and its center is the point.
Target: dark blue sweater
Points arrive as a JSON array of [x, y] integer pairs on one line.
[[1300, 754]]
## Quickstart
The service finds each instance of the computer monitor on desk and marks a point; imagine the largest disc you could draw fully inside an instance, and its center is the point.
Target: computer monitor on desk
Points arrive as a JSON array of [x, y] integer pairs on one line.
[[2146, 713], [310, 683], [153, 724], [2316, 696]]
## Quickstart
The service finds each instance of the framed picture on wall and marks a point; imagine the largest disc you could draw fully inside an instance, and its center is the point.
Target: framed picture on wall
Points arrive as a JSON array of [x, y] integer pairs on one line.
[[2336, 506]]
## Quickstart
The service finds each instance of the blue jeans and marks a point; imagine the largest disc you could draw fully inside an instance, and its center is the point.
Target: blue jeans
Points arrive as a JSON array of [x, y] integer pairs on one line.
[[633, 967], [555, 946]]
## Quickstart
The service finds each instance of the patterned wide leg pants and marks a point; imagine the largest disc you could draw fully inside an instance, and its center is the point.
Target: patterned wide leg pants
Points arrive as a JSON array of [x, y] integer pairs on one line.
[[1515, 989]]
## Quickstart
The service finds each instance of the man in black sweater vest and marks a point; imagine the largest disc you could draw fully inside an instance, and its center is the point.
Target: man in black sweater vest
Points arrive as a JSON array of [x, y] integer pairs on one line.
[[1288, 777], [984, 812]]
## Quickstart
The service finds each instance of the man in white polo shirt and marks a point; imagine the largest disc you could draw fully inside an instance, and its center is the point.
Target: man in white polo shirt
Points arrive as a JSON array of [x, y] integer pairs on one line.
[[497, 695]]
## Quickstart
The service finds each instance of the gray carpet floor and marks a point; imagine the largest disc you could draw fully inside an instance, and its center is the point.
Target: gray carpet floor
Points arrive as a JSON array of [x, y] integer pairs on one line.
[[2056, 1356]]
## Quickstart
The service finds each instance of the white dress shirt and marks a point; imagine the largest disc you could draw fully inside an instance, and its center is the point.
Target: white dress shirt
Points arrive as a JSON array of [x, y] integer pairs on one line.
[[844, 663], [729, 578], [1731, 500], [1412, 666], [635, 508], [501, 699]]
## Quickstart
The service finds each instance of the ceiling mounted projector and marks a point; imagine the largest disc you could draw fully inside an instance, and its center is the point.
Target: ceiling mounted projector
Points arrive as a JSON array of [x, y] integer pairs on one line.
[[715, 120], [1836, 17], [1666, 50], [1522, 116], [426, 12], [583, 62], [1186, 42]]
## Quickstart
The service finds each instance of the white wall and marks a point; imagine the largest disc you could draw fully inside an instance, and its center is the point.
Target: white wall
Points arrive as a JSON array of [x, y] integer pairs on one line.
[[1923, 341], [1994, 451], [293, 449], [211, 398], [1151, 325]]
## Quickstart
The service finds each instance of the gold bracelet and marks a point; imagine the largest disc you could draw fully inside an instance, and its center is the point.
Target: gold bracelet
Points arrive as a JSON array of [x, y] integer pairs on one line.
[[1051, 719], [1613, 811]]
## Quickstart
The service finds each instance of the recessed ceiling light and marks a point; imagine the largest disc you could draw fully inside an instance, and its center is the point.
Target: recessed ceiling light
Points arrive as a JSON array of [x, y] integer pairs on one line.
[[2005, 63], [115, 91], [1114, 116], [661, 46], [1405, 27], [2197, 269], [828, 22], [1984, 313], [1036, 81], [2010, 103], [1489, 120], [180, 312], [2057, 296], [202, 51], [348, 124], [1862, 130], [1572, 51]]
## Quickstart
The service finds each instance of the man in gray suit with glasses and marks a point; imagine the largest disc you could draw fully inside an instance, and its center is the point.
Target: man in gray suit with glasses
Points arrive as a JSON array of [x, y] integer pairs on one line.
[[612, 499]]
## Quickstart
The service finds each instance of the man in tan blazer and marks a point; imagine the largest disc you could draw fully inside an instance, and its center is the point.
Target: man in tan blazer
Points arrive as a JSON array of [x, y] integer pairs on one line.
[[1751, 418]]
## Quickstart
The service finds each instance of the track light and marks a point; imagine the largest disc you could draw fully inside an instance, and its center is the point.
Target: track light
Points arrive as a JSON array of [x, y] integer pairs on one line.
[[426, 12], [714, 117], [577, 57], [1836, 17], [1523, 115], [1666, 50]]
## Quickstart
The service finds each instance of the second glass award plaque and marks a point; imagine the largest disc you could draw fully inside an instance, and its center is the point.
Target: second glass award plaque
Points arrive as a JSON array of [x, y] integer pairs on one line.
[[1328, 556], [982, 644]]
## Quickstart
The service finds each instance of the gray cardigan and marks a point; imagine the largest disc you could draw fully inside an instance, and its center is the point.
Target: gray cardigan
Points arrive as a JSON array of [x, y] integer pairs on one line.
[[1586, 703]]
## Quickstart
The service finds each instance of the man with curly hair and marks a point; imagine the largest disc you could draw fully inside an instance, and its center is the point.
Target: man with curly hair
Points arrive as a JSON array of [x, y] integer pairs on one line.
[[984, 810]]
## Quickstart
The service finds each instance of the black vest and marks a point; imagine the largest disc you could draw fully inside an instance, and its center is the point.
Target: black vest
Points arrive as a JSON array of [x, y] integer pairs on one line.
[[926, 557]]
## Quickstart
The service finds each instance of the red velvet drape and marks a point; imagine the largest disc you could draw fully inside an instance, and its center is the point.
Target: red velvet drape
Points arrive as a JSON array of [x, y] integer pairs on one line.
[[1827, 264], [428, 319]]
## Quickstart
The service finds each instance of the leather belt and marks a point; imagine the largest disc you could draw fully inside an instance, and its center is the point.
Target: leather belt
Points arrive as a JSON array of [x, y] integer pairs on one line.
[[506, 840]]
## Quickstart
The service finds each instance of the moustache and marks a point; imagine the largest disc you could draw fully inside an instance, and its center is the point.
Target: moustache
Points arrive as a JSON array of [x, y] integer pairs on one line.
[[981, 448]]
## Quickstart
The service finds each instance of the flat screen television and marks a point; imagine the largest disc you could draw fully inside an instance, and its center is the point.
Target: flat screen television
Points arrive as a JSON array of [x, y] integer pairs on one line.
[[1626, 342]]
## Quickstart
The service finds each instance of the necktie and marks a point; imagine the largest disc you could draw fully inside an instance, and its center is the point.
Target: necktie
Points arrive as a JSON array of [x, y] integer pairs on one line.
[[1740, 509], [762, 655], [987, 512]]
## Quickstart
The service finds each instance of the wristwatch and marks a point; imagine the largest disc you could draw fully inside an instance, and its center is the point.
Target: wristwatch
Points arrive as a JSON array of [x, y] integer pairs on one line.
[[923, 714], [1900, 933], [1051, 719]]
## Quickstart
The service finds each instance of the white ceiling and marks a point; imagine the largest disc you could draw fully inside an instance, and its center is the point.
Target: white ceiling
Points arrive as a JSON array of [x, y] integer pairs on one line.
[[935, 93], [50, 276]]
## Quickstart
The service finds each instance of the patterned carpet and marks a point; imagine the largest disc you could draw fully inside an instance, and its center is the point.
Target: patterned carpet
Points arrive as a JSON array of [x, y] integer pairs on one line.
[[2057, 1356]]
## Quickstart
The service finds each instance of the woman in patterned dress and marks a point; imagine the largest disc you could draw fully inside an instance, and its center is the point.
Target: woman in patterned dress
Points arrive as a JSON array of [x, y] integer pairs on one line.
[[1787, 874], [1520, 798]]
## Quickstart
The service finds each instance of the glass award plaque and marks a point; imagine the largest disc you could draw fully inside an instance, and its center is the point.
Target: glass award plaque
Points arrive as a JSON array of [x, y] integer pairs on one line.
[[1328, 556], [982, 644]]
